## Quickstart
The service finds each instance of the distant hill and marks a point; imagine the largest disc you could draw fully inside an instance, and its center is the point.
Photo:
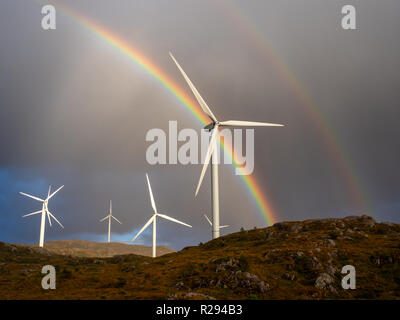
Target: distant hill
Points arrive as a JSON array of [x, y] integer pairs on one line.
[[84, 248], [289, 260]]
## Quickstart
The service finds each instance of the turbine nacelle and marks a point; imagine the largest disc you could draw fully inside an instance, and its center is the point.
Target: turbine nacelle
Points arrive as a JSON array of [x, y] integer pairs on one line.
[[45, 204], [211, 126]]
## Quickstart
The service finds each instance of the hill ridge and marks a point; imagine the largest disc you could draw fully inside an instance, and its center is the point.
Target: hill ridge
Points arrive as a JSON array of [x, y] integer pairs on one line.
[[289, 260], [93, 249]]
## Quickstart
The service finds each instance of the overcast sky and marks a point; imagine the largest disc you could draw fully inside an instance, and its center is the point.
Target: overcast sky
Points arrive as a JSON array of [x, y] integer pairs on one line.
[[75, 111]]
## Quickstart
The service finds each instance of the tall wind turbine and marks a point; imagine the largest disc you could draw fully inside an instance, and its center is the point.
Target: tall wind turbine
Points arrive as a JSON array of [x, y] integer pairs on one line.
[[214, 128], [154, 218], [209, 221], [109, 216], [45, 211]]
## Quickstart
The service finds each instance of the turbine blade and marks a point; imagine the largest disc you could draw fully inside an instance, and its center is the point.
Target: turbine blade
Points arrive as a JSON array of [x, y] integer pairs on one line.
[[173, 220], [202, 103], [239, 123], [110, 206], [116, 219], [153, 204], [55, 218], [104, 218], [48, 193], [209, 221], [48, 218], [54, 192], [144, 227], [224, 226], [31, 214], [207, 159], [30, 196]]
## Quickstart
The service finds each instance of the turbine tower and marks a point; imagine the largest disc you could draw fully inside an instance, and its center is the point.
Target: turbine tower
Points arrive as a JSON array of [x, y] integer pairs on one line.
[[154, 218], [109, 216], [45, 211], [209, 221], [214, 128]]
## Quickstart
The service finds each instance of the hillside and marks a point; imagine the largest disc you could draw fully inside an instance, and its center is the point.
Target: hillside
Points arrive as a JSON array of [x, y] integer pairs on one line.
[[290, 260], [84, 248]]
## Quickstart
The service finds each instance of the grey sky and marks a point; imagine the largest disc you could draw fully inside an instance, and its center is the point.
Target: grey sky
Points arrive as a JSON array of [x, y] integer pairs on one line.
[[75, 111]]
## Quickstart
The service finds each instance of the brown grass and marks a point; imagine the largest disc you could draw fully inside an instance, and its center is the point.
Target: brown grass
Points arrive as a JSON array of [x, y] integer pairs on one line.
[[289, 261]]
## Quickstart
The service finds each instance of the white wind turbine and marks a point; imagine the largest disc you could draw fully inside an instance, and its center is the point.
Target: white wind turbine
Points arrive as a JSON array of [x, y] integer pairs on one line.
[[154, 218], [109, 216], [45, 211], [214, 127]]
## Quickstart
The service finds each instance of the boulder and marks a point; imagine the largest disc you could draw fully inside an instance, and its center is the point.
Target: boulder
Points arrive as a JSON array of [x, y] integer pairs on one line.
[[324, 281]]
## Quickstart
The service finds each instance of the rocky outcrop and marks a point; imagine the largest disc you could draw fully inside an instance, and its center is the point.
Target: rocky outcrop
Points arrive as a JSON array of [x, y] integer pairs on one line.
[[246, 280]]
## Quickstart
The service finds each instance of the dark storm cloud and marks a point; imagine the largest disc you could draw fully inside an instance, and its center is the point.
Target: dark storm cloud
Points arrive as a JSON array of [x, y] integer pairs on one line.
[[75, 111]]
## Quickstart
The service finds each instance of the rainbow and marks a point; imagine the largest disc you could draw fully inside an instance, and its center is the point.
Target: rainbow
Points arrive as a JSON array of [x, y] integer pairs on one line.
[[253, 187], [331, 144]]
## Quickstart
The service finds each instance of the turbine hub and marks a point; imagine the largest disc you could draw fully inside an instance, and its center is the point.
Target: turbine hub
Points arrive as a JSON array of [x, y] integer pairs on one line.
[[211, 126]]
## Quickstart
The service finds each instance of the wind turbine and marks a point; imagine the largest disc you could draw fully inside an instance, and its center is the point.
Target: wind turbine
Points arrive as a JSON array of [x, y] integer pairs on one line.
[[45, 211], [209, 221], [214, 128], [109, 216], [154, 218]]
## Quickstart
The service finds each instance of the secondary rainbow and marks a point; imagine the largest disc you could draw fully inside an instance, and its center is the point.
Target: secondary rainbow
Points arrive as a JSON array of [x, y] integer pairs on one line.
[[347, 171], [139, 58]]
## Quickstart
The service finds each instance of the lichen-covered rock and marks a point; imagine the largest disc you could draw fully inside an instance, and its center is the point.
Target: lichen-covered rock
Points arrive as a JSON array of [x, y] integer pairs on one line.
[[324, 281], [330, 243], [296, 228], [251, 281], [180, 285]]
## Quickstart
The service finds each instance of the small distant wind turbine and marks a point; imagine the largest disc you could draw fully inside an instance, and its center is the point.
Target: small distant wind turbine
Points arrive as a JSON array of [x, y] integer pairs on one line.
[[44, 211], [214, 127], [109, 222], [153, 219], [209, 221]]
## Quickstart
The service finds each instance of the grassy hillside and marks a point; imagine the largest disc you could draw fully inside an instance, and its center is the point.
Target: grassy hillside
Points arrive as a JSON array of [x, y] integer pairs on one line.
[[84, 248], [290, 260]]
